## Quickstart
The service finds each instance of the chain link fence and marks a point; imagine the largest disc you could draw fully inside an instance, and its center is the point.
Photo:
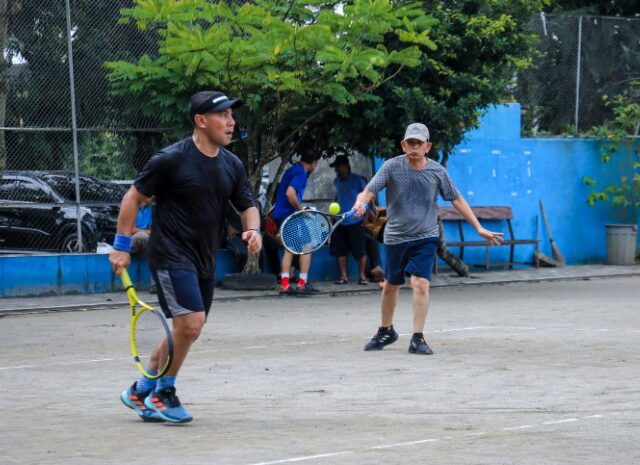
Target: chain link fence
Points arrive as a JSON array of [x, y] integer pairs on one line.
[[64, 137], [581, 63]]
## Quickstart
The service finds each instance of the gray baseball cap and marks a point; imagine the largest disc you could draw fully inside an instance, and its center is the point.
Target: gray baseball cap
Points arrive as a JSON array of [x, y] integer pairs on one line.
[[417, 131]]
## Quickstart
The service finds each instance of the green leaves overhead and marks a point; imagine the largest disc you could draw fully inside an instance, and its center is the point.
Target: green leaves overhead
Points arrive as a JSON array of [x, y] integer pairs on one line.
[[312, 49]]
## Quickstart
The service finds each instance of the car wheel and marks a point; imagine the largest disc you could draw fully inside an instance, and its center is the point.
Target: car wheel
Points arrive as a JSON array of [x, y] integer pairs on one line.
[[69, 243]]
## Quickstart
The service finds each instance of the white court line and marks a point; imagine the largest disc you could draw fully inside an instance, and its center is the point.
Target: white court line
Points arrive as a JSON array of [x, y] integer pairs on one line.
[[403, 444], [72, 362], [557, 422], [430, 440], [307, 457]]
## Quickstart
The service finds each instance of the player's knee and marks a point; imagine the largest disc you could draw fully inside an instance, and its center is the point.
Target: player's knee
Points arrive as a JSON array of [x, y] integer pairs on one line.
[[191, 328], [390, 289], [419, 284]]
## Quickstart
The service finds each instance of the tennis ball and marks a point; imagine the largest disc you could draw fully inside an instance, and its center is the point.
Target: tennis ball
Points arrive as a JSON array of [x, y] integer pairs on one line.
[[334, 208]]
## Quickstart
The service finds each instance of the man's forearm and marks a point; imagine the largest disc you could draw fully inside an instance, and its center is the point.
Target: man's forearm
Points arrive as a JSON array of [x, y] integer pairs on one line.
[[464, 209], [128, 213], [250, 219], [365, 197]]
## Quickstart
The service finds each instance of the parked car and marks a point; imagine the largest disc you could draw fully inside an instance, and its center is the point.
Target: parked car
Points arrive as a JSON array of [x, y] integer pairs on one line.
[[37, 210]]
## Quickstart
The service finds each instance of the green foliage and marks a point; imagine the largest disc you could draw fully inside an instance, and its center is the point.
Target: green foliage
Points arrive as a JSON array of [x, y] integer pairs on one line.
[[39, 93], [479, 46], [597, 7], [105, 157], [616, 134], [291, 62]]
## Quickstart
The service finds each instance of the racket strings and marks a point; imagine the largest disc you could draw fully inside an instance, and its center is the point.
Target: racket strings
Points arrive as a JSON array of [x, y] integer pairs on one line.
[[150, 333], [304, 232]]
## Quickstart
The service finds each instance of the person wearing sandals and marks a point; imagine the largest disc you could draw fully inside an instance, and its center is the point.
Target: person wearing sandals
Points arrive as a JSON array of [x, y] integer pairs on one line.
[[349, 235]]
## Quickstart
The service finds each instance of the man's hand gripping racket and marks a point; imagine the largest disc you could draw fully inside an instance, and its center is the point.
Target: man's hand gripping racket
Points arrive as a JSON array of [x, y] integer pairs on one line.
[[306, 231], [150, 336]]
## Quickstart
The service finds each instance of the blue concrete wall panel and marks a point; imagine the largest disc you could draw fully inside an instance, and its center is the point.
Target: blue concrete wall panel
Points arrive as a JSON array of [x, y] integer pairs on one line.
[[74, 277], [29, 276], [99, 275]]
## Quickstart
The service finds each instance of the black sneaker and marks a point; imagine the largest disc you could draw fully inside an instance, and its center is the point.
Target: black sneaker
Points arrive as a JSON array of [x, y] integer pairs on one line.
[[307, 289], [382, 338], [419, 346], [289, 291]]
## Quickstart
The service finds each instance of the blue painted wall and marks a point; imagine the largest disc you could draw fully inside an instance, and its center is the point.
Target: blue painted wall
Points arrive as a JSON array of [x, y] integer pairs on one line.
[[42, 275], [493, 166]]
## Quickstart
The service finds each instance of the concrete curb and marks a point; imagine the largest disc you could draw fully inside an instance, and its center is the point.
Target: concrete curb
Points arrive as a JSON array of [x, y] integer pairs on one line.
[[328, 293]]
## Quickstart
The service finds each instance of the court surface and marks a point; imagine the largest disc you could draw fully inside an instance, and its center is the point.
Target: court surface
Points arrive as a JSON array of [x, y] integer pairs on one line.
[[530, 373]]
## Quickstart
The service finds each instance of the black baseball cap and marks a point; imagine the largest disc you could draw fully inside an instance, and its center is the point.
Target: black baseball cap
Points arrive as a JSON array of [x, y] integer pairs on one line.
[[209, 101], [340, 160]]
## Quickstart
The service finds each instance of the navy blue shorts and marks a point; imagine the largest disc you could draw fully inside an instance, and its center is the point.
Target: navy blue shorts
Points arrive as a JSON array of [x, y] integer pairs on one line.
[[183, 291], [414, 258]]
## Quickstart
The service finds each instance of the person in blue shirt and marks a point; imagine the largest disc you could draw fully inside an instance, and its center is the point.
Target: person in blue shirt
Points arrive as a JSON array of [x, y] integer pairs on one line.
[[289, 200], [349, 235]]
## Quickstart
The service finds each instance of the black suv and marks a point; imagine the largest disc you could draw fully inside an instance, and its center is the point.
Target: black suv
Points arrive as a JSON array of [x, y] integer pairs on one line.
[[37, 210]]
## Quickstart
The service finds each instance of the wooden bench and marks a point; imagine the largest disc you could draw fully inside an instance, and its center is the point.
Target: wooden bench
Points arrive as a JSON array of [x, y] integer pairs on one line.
[[450, 214]]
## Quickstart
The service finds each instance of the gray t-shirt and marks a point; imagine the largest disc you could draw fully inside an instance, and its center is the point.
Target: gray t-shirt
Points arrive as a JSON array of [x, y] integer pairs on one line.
[[412, 209]]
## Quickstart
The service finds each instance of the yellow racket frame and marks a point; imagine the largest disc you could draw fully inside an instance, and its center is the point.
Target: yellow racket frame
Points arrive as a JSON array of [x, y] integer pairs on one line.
[[134, 303]]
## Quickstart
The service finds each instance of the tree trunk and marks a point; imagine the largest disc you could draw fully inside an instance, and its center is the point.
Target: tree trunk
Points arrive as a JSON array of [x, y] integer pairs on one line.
[[450, 259], [253, 264]]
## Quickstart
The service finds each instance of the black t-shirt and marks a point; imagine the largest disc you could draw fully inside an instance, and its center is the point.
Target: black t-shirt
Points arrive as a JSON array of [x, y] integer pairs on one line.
[[191, 192]]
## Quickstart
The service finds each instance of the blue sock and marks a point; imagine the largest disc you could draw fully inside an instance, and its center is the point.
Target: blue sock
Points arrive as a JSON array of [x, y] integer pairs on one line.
[[165, 382], [145, 384]]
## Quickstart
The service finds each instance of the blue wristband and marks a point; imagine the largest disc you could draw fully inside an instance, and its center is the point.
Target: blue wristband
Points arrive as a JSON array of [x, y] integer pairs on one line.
[[122, 243]]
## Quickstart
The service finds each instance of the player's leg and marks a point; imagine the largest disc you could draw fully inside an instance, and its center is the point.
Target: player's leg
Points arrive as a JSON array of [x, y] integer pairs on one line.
[[285, 288], [304, 287], [388, 304], [394, 274], [186, 298], [420, 267], [420, 302]]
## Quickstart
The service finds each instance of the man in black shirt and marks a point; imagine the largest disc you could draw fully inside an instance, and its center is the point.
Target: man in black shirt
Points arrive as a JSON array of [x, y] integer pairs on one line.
[[192, 181]]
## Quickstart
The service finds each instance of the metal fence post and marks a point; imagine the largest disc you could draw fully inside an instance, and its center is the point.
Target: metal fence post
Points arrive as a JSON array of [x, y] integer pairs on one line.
[[577, 112], [74, 128]]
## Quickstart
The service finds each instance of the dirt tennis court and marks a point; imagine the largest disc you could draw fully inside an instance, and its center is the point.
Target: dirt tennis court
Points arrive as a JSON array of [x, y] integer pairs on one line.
[[531, 373]]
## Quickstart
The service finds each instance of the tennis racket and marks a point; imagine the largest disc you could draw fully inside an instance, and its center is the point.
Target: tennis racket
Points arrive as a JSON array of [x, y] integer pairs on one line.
[[150, 336], [306, 231]]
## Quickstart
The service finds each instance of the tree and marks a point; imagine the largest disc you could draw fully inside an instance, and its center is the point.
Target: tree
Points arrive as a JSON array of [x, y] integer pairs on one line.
[[480, 45], [616, 133], [39, 96], [597, 7], [291, 62]]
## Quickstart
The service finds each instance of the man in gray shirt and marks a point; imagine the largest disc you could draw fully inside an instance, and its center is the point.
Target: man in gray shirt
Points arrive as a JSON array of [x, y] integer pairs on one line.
[[411, 237]]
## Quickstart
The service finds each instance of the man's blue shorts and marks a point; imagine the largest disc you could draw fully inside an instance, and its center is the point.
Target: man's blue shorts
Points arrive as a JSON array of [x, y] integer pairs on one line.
[[410, 258]]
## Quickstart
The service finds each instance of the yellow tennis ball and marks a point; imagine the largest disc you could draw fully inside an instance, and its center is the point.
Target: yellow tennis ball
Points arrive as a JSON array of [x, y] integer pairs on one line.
[[334, 208]]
